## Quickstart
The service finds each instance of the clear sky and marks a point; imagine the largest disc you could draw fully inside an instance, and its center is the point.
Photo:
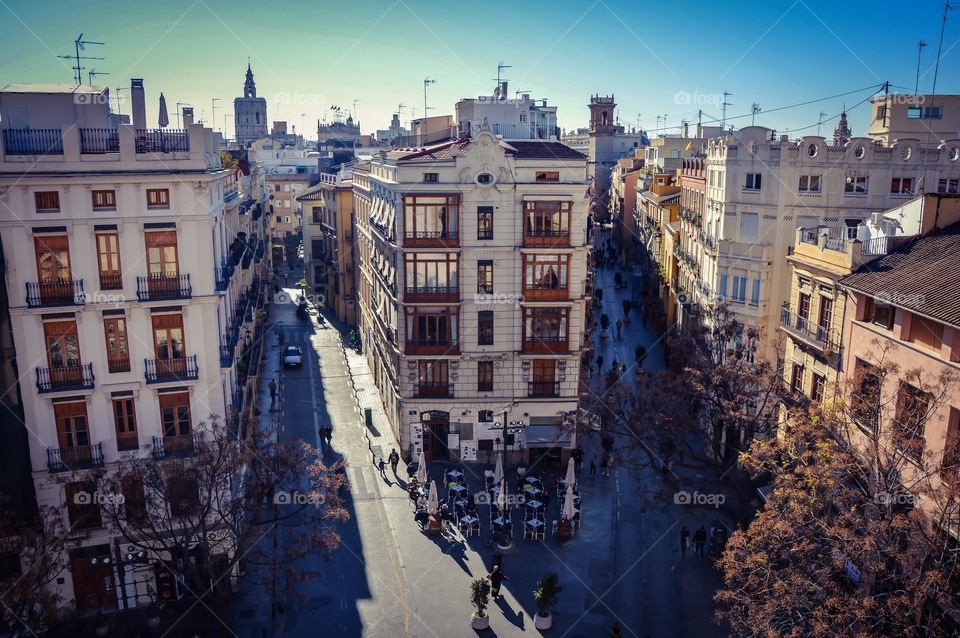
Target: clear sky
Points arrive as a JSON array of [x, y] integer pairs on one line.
[[657, 58]]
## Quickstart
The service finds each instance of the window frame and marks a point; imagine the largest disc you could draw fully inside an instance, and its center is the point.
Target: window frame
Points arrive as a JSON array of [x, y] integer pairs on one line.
[[125, 423], [116, 337], [485, 327], [484, 223], [485, 277], [484, 376], [158, 198], [752, 181], [110, 195], [46, 201]]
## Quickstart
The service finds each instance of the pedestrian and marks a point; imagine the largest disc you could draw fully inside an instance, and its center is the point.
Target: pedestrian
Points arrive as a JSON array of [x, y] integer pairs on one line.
[[322, 431], [605, 465], [382, 466], [593, 465], [577, 455], [329, 435], [684, 537], [394, 460], [599, 363], [619, 327], [609, 464], [496, 579], [699, 540], [273, 391]]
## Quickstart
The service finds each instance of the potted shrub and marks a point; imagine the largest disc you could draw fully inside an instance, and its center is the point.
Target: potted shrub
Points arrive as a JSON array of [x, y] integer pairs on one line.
[[480, 598], [545, 595]]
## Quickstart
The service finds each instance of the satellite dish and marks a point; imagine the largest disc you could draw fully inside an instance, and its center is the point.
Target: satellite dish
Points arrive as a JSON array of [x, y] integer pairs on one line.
[[496, 92]]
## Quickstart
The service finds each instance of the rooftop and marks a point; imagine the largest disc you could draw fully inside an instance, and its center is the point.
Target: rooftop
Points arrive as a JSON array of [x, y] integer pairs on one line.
[[920, 276], [53, 88]]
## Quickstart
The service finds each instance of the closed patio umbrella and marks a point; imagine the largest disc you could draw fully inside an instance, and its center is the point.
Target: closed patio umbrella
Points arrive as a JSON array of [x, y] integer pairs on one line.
[[422, 471], [498, 471], [164, 121], [568, 503], [571, 473], [433, 502], [502, 496]]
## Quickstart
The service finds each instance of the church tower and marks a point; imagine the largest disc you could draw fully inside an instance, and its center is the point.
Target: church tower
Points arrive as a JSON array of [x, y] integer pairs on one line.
[[250, 112], [842, 134]]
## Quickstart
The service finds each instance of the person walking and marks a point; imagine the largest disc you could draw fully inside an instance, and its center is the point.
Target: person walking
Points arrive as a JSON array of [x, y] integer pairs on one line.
[[605, 465], [599, 363], [382, 466], [273, 391], [394, 460], [609, 465], [684, 538], [619, 327], [699, 540], [496, 579], [577, 456], [593, 465], [329, 435]]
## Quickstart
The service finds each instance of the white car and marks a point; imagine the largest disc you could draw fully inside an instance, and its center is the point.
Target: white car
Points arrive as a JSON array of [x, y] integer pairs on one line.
[[292, 356]]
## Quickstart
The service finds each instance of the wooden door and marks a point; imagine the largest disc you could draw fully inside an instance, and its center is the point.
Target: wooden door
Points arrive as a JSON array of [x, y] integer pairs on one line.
[[168, 345], [108, 261], [63, 352], [53, 258], [175, 413], [72, 425], [93, 584], [162, 254]]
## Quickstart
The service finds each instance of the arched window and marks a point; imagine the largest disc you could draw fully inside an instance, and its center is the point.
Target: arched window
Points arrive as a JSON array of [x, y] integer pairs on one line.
[[604, 118]]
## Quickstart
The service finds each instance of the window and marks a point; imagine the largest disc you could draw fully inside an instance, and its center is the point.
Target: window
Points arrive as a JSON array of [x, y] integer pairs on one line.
[[82, 507], [926, 332], [913, 406], [752, 182], [433, 378], [431, 178], [722, 286], [183, 493], [825, 319], [431, 275], [546, 221], [879, 313], [118, 353], [548, 176], [108, 261], [286, 219], [53, 263], [63, 349], [427, 217], [162, 254], [175, 414], [855, 185], [544, 379], [739, 289], [545, 329], [796, 379], [881, 113], [432, 328], [923, 113], [901, 185], [748, 227], [485, 277], [158, 198], [485, 416], [134, 498], [104, 200], [73, 432], [755, 292], [865, 402], [816, 391], [951, 186], [485, 376], [545, 274], [279, 219], [47, 201], [950, 466], [484, 222], [125, 420], [809, 183], [484, 178], [485, 328]]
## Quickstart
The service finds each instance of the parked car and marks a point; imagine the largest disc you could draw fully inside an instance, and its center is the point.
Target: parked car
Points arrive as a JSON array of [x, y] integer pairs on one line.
[[292, 356]]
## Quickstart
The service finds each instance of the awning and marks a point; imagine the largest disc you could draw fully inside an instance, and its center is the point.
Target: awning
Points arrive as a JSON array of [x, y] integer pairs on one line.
[[548, 436]]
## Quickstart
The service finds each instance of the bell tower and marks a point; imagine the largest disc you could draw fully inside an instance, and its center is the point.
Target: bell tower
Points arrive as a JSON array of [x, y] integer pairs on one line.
[[601, 115], [249, 87]]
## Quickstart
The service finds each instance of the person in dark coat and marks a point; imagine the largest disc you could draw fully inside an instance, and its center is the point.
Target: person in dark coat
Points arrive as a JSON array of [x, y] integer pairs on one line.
[[699, 540], [496, 579], [684, 539]]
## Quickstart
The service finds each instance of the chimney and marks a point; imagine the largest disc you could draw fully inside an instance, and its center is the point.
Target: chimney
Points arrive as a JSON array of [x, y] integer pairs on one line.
[[686, 129], [138, 99], [503, 90], [187, 116]]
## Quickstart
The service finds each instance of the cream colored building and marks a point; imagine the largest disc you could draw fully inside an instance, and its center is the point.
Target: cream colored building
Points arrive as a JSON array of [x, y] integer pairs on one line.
[[133, 273], [929, 119], [473, 258]]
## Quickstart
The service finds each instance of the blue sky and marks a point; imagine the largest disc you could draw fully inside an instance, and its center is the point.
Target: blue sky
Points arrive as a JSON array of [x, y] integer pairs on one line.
[[657, 58]]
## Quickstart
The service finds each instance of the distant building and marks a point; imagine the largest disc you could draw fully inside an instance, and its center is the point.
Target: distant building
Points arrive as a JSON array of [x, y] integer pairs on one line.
[[517, 118], [249, 113], [341, 131], [392, 133], [282, 136], [929, 119]]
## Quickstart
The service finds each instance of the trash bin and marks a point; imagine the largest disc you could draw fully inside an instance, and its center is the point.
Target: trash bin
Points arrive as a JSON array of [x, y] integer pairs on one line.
[[368, 417]]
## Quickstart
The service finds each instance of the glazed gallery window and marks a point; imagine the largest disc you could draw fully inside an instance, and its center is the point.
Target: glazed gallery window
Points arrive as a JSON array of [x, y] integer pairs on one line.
[[431, 272], [546, 219], [546, 272], [431, 326], [484, 222], [430, 216], [545, 324], [485, 276]]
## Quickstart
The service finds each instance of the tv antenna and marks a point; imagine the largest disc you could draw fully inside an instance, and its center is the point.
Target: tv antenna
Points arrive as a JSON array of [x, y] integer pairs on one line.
[[426, 82], [820, 122], [356, 117], [93, 72], [723, 117], [117, 93], [80, 45], [754, 109], [213, 112]]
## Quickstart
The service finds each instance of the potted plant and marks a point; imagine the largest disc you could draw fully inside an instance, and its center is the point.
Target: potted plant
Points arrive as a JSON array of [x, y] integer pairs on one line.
[[545, 595], [480, 598]]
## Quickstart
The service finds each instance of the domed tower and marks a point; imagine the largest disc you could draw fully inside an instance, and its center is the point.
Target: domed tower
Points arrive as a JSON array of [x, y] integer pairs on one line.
[[842, 134]]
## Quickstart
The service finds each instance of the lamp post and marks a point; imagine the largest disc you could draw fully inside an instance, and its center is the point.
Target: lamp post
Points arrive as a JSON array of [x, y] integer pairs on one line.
[[513, 427]]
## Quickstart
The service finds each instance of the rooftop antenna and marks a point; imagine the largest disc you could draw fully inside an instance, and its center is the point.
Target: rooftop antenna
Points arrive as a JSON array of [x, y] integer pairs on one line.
[[920, 45], [179, 104], [500, 67], [356, 116], [213, 112], [426, 82], [80, 45], [754, 109], [93, 72], [820, 122], [116, 92], [723, 117]]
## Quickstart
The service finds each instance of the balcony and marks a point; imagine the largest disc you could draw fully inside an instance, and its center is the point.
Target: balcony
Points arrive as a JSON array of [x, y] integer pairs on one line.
[[433, 390], [823, 338], [63, 292], [118, 364], [543, 389], [445, 294], [541, 293], [432, 346], [164, 287], [171, 370], [128, 442], [223, 275], [65, 379], [97, 141], [111, 281], [431, 239], [38, 141], [228, 349], [546, 238], [546, 345], [180, 445], [78, 457], [162, 140]]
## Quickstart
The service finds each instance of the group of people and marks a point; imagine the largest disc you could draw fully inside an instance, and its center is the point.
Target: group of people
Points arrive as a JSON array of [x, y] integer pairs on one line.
[[699, 541]]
